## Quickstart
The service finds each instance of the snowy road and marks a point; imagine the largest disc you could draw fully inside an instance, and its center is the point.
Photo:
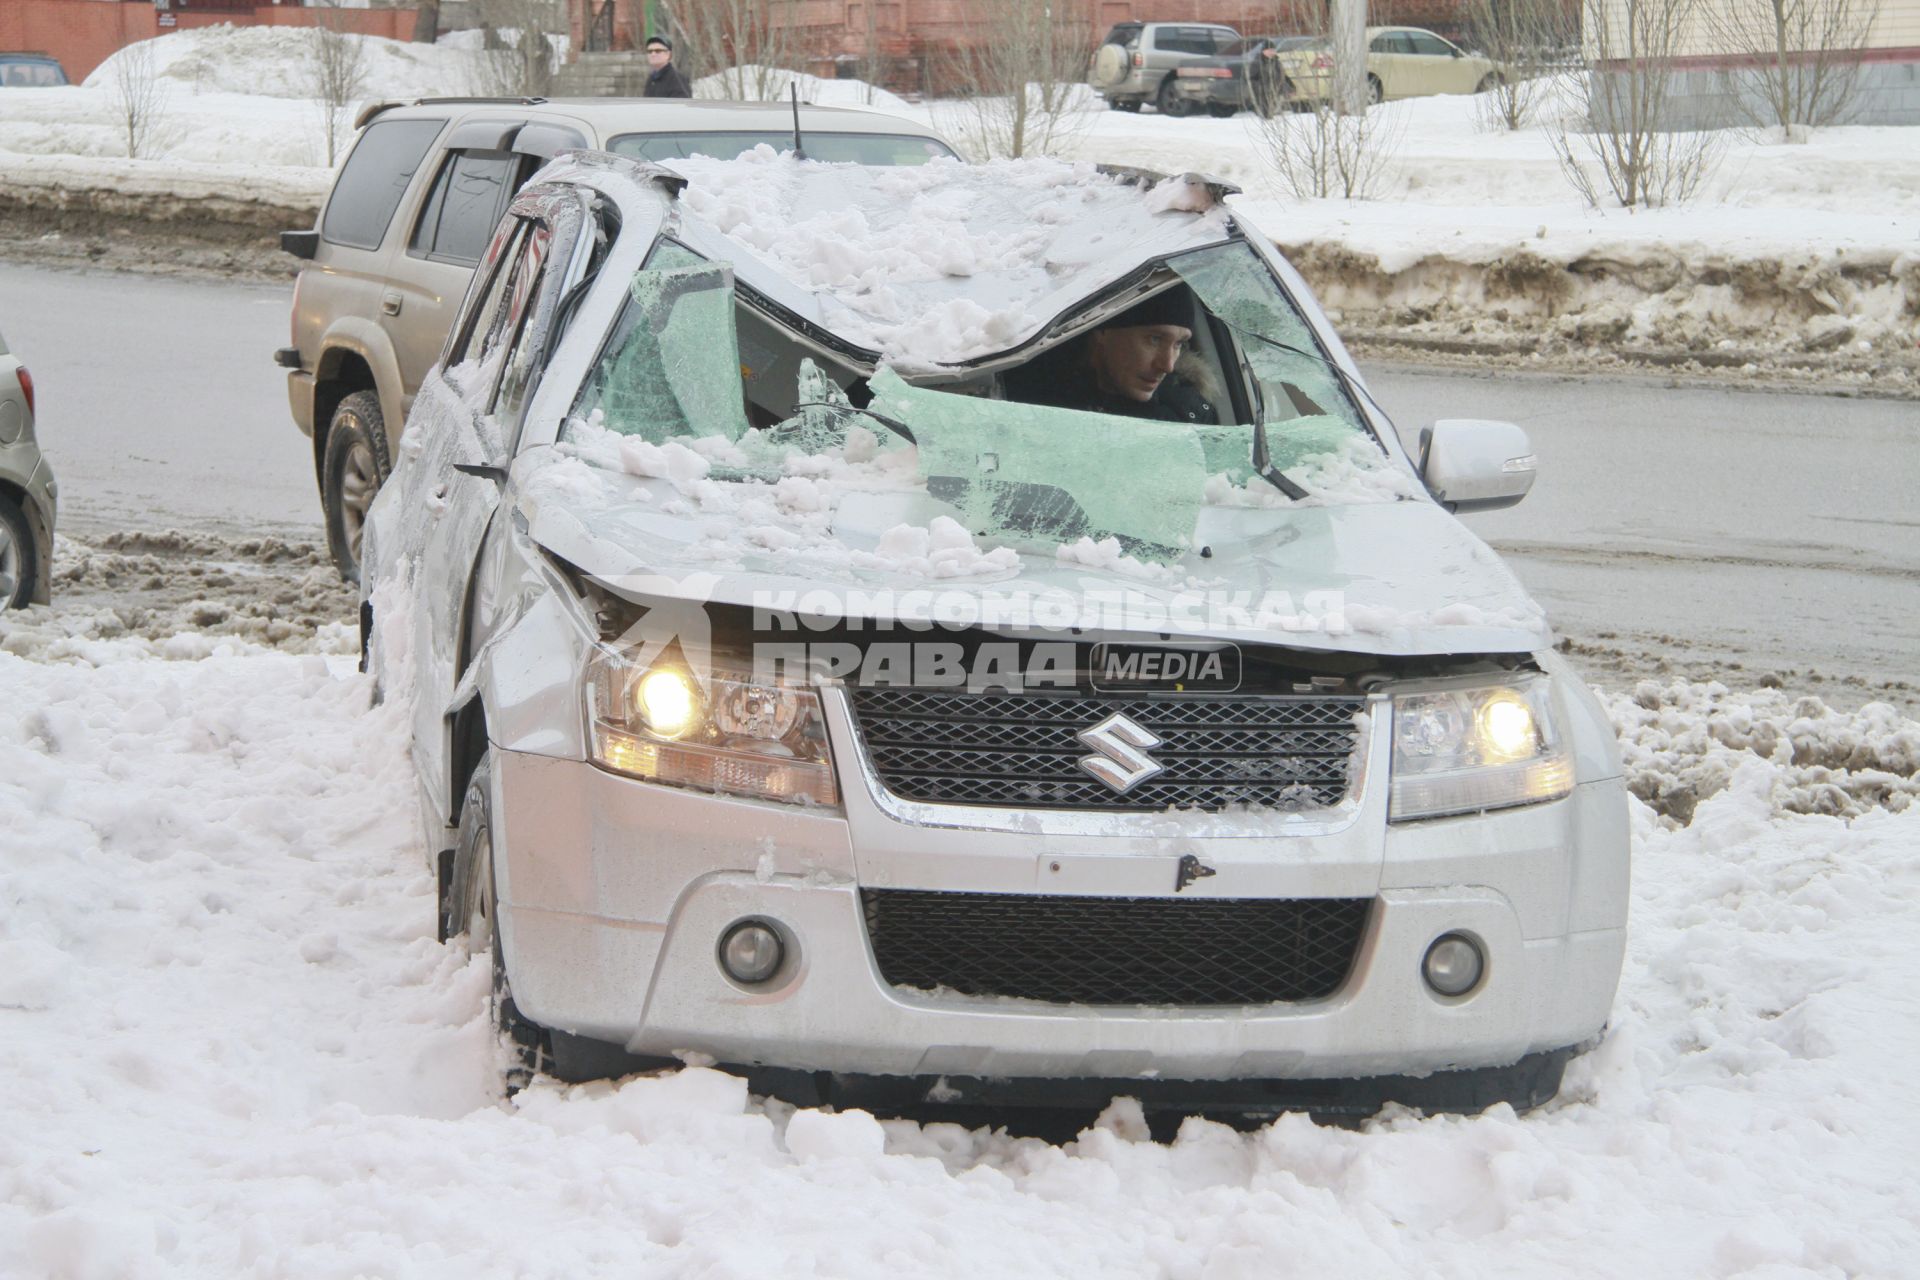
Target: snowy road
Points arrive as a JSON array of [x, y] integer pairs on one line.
[[1693, 527], [159, 401], [1713, 529]]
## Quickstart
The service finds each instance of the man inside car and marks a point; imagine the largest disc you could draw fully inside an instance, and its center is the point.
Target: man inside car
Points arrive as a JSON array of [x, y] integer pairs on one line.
[[1127, 365]]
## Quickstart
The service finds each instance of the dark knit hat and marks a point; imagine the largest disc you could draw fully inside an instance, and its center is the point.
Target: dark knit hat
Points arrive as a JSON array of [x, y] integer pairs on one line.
[[1169, 306], [661, 40]]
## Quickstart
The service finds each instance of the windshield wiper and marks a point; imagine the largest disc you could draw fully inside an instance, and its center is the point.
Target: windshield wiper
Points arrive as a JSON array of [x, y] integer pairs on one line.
[[894, 425], [1263, 459], [1347, 381], [1262, 455]]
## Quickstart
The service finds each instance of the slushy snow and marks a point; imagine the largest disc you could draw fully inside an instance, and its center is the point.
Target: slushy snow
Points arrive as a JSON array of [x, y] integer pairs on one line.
[[234, 1047]]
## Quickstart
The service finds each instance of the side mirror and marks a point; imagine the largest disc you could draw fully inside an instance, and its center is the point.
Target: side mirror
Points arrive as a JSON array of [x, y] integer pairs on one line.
[[301, 244], [1470, 464]]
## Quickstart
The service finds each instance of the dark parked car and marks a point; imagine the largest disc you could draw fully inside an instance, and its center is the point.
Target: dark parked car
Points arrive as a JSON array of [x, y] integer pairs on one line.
[[31, 71], [1244, 75]]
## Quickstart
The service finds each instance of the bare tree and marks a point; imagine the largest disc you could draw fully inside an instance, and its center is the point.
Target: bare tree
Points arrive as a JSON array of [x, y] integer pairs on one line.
[[1799, 60], [1525, 39], [1622, 118], [1019, 90], [138, 95], [336, 73], [1317, 149], [519, 56], [747, 44]]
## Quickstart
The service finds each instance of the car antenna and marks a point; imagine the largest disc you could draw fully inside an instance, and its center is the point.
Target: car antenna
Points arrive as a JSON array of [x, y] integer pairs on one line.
[[793, 87]]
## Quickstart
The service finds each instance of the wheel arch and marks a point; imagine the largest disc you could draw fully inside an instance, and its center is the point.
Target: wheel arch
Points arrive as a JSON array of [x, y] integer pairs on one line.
[[357, 355], [340, 372]]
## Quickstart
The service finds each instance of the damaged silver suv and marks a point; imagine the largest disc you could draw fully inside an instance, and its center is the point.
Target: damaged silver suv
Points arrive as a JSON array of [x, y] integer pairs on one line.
[[804, 679]]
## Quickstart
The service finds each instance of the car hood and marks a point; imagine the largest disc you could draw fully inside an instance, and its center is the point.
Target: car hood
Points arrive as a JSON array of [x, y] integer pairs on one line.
[[1389, 578]]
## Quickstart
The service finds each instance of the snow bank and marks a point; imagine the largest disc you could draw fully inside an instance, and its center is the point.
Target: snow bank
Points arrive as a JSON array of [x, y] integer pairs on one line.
[[234, 1047], [1685, 742], [277, 62], [265, 194], [182, 596], [777, 81]]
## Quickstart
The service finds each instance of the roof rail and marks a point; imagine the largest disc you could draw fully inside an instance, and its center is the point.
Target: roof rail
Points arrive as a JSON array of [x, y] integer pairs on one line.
[[374, 109]]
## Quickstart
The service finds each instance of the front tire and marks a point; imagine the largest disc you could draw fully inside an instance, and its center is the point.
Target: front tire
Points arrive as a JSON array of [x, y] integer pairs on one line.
[[469, 908], [1376, 92], [19, 558], [353, 468], [1489, 82]]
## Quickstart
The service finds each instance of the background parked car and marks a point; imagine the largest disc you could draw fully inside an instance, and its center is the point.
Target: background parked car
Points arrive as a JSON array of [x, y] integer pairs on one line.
[[1244, 74], [31, 71], [1402, 62], [1137, 61], [410, 213], [27, 492]]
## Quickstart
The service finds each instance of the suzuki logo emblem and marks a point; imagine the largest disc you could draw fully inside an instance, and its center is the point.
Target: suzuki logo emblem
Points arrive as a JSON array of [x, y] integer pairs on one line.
[[1122, 763]]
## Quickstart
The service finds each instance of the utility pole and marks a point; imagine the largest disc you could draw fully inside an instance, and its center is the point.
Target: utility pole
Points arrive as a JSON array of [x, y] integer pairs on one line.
[[1349, 24]]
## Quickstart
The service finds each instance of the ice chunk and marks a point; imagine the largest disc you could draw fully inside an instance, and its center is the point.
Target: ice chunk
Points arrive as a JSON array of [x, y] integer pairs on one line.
[[674, 367], [1054, 475]]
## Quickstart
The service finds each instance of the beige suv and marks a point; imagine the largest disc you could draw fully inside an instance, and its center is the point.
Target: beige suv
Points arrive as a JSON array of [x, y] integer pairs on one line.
[[413, 209]]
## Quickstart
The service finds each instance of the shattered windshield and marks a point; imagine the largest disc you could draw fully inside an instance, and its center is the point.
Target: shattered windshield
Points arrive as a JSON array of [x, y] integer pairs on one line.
[[692, 386]]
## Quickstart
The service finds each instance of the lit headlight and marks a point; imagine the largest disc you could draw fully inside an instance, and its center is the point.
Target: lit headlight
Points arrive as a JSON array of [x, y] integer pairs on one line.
[[736, 735], [1473, 747]]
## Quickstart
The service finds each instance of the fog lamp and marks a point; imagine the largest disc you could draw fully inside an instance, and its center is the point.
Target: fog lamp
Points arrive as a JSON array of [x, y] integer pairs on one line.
[[751, 951], [1454, 964]]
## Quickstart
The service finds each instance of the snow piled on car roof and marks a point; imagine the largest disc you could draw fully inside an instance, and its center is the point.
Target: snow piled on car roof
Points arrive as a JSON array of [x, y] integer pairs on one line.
[[941, 263]]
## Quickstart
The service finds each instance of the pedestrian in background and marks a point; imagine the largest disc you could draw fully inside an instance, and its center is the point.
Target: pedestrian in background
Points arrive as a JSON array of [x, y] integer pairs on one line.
[[665, 80]]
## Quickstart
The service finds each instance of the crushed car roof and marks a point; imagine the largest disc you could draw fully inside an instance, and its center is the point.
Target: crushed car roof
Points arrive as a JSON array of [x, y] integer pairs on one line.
[[943, 263]]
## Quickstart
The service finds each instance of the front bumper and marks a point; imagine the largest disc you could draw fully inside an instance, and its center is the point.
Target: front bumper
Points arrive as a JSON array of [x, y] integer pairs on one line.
[[614, 895]]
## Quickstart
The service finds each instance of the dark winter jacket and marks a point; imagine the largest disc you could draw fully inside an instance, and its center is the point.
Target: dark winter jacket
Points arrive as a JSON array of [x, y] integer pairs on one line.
[[1176, 400], [667, 82]]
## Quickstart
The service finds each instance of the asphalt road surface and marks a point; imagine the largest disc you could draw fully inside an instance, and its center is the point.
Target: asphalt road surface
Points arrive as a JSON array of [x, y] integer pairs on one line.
[[1674, 529]]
